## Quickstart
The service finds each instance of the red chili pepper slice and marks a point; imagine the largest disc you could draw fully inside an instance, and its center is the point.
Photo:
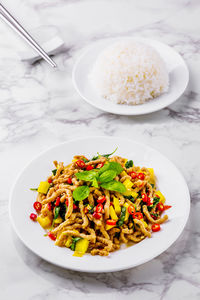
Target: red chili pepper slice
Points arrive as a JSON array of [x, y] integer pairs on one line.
[[49, 180], [160, 207], [149, 201], [37, 205], [49, 206], [155, 227], [144, 198], [111, 222], [101, 199], [69, 180], [67, 202], [80, 163], [133, 175], [51, 236], [96, 215], [167, 207], [75, 206], [138, 215], [33, 217], [57, 201], [131, 210], [88, 168], [100, 165], [99, 208], [141, 176]]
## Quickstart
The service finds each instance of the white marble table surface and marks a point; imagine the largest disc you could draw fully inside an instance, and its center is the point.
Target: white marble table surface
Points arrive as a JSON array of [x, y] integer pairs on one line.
[[39, 108]]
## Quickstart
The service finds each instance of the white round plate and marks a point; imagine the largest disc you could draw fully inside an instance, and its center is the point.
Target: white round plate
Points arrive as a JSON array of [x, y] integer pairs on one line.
[[169, 181], [178, 78]]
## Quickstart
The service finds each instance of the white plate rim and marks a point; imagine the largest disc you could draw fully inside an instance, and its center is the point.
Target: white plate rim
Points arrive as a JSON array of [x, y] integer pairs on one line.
[[116, 268], [130, 112]]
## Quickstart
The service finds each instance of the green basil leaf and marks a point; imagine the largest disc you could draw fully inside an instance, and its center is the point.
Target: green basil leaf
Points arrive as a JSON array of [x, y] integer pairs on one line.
[[107, 176], [54, 171], [95, 183], [87, 175], [81, 193], [129, 164], [107, 155], [115, 166], [56, 213], [115, 186]]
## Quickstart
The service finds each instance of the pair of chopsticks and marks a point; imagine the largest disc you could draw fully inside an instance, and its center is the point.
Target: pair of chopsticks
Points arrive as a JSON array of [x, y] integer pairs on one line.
[[12, 22]]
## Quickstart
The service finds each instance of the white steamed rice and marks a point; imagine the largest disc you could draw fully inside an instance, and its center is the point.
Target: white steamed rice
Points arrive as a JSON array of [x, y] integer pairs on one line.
[[129, 72]]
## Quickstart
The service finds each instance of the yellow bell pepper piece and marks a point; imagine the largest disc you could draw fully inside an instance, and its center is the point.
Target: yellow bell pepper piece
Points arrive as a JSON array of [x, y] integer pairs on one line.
[[108, 227], [131, 192], [125, 161], [81, 247], [117, 206], [113, 213], [74, 159], [127, 213], [43, 187], [68, 242], [123, 173], [128, 184], [45, 222], [162, 197], [145, 224], [152, 176], [58, 220]]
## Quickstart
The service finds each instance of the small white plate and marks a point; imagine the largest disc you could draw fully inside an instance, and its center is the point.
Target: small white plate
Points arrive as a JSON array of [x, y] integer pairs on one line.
[[169, 180], [178, 78]]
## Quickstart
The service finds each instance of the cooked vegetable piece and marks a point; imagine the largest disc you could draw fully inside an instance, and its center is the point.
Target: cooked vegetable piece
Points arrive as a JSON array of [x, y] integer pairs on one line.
[[129, 164], [128, 184], [161, 196], [117, 206], [43, 187], [74, 241], [81, 247], [113, 214], [122, 216], [45, 222], [68, 242], [126, 205], [54, 171]]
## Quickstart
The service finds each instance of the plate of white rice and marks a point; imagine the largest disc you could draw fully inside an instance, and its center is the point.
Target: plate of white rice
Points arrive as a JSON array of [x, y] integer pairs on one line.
[[130, 76]]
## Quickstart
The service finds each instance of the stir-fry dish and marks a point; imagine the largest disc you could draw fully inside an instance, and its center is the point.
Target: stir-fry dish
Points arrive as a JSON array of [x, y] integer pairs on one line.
[[95, 205]]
